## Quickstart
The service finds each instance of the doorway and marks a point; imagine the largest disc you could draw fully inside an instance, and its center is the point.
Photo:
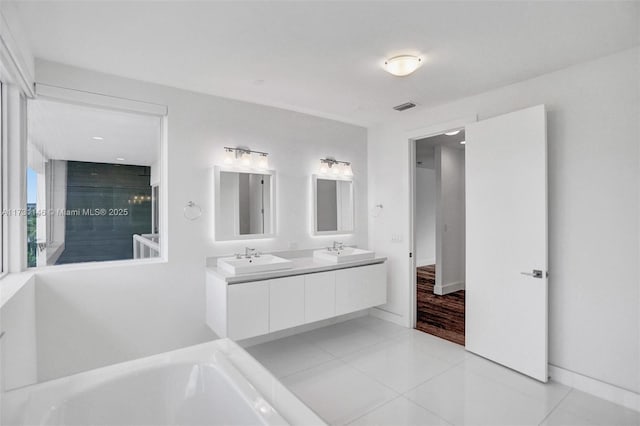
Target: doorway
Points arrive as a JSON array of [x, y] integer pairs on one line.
[[505, 243], [439, 235]]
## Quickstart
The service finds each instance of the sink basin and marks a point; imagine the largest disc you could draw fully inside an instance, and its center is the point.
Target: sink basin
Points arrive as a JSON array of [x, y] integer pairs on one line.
[[263, 263], [347, 254]]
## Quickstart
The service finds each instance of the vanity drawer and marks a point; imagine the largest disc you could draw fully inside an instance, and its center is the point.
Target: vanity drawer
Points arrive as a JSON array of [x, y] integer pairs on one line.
[[248, 310], [320, 296], [360, 288]]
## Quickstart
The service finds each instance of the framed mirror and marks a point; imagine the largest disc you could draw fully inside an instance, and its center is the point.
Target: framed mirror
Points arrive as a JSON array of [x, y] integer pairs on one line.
[[333, 207], [244, 204]]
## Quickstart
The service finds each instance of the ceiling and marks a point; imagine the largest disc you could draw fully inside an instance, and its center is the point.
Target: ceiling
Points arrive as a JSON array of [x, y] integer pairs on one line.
[[325, 58], [62, 131]]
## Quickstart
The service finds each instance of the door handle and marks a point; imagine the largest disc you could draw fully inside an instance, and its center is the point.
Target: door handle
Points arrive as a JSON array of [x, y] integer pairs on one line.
[[536, 273]]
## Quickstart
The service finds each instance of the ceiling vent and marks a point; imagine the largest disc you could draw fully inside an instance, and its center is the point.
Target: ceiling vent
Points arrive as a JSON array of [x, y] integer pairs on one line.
[[404, 106]]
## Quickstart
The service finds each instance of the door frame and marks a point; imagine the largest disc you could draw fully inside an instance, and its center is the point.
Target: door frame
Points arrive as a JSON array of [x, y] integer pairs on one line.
[[412, 136]]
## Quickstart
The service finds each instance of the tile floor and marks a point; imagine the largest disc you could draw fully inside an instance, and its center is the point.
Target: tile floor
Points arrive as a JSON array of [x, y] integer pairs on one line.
[[368, 371]]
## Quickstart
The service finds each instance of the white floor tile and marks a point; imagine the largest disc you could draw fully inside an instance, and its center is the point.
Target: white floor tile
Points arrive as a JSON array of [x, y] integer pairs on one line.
[[596, 411], [551, 392], [289, 355], [441, 381], [562, 417], [338, 392], [397, 364], [435, 346], [343, 338], [463, 397], [400, 411]]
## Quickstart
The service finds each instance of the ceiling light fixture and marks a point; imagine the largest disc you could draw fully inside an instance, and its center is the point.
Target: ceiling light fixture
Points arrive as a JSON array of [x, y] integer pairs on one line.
[[97, 138], [119, 159], [402, 65], [453, 132], [463, 142]]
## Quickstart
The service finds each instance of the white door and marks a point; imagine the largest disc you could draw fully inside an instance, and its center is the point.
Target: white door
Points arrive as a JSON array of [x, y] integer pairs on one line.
[[506, 240]]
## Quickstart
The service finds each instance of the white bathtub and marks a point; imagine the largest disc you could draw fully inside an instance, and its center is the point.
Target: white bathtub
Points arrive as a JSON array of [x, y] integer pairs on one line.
[[216, 383]]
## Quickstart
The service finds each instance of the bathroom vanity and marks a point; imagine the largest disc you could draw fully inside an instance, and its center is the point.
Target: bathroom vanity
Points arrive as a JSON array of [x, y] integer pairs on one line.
[[313, 288]]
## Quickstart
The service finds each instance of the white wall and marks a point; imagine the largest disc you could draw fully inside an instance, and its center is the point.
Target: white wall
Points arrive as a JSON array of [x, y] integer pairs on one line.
[[593, 134], [450, 220], [18, 346], [93, 316], [425, 219]]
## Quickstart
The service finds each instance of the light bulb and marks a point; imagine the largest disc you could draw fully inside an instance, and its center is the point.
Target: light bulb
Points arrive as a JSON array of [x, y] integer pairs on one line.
[[346, 170], [246, 159], [229, 156], [263, 162], [336, 168], [324, 168]]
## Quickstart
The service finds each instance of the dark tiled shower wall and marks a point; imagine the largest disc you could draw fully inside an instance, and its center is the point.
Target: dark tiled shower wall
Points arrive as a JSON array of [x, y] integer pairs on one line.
[[105, 186]]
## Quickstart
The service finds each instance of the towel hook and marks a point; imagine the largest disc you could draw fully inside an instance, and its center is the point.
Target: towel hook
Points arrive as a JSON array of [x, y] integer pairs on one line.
[[192, 211]]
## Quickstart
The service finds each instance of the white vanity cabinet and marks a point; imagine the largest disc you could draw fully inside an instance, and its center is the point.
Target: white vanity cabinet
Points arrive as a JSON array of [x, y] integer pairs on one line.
[[254, 308], [286, 302], [360, 288], [319, 296], [248, 309]]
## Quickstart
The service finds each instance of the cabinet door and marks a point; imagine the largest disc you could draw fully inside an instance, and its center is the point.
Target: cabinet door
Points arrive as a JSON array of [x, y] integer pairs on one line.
[[286, 302], [248, 310], [360, 288], [320, 296]]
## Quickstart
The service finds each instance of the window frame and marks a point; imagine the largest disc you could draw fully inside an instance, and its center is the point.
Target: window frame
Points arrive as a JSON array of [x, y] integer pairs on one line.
[[96, 100]]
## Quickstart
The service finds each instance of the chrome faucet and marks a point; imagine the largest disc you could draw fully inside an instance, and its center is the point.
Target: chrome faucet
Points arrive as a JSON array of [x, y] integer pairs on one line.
[[250, 252], [337, 245]]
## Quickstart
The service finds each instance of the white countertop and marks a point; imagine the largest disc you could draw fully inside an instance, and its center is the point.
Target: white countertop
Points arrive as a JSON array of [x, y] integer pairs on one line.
[[301, 265]]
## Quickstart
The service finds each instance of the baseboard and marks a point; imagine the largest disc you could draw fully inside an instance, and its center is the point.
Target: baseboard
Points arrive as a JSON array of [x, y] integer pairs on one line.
[[425, 262], [448, 288], [606, 391], [388, 316]]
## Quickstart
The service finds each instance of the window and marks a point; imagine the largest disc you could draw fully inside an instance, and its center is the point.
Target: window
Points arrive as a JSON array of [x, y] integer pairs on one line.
[[90, 184]]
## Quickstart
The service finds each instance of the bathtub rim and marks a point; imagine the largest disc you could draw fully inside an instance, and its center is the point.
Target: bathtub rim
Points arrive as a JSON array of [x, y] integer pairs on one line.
[[288, 407]]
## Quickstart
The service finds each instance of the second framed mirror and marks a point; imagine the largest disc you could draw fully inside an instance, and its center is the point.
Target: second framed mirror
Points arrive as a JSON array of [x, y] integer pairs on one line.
[[333, 207]]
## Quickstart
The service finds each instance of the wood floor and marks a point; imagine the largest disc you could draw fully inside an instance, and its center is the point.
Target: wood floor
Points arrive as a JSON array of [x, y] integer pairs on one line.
[[441, 316]]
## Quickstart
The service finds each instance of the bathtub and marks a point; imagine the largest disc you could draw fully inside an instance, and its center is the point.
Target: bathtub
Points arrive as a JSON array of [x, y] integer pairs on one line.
[[215, 383]]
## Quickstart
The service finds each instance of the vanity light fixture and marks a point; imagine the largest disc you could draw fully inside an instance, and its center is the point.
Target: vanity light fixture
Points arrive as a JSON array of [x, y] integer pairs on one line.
[[402, 65], [229, 156], [243, 158], [335, 167], [263, 162]]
